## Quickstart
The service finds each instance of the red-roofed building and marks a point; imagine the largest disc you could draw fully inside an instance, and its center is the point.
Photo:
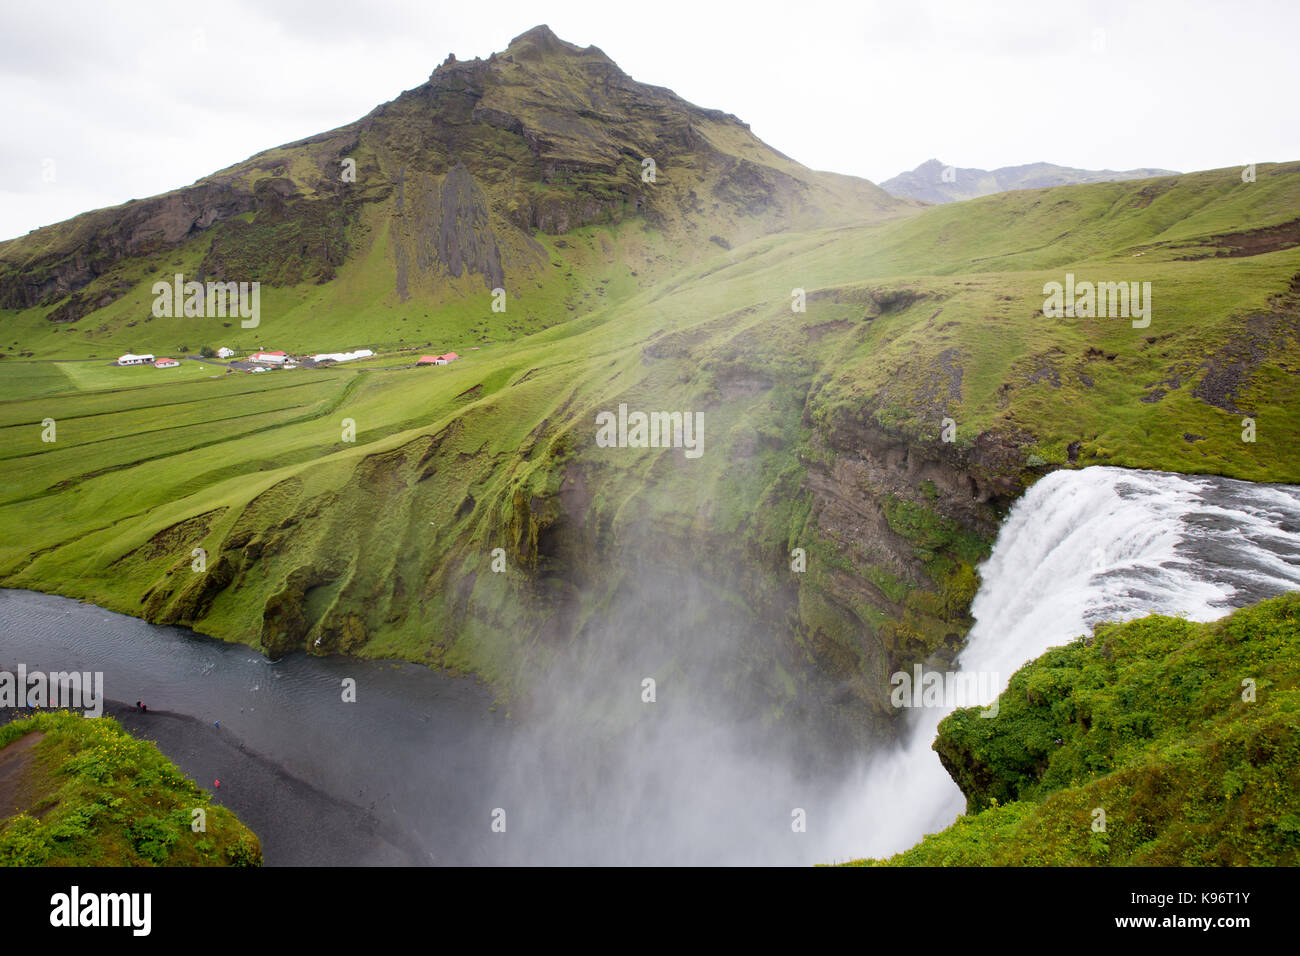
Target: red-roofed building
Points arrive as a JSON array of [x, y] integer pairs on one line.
[[427, 360], [166, 363], [268, 358], [445, 359]]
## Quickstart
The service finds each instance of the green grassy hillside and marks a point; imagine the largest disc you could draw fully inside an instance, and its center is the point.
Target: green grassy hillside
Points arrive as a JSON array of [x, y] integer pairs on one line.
[[87, 793], [822, 432], [1186, 738]]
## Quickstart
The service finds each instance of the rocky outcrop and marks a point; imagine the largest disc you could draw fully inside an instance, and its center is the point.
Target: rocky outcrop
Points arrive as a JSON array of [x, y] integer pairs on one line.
[[37, 272], [463, 238]]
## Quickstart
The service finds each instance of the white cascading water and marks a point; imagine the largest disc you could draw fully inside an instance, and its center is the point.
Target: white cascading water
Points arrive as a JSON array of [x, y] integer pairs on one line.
[[1080, 548]]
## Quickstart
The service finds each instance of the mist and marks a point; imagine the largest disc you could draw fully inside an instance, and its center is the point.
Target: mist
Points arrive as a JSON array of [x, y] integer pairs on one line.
[[704, 774]]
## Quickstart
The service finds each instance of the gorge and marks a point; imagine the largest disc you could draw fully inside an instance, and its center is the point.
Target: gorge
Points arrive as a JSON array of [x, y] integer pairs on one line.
[[413, 771]]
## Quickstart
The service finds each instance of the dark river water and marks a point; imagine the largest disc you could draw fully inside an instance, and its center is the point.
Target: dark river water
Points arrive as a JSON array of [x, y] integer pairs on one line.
[[417, 770], [399, 776]]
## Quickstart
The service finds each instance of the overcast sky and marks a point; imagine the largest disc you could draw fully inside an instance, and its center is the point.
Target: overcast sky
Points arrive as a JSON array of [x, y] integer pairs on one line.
[[102, 103]]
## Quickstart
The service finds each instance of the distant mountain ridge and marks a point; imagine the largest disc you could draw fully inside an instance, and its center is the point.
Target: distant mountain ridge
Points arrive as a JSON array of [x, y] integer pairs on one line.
[[937, 182]]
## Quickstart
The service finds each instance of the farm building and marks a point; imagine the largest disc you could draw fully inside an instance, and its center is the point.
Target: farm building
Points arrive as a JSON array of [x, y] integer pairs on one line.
[[342, 356], [427, 360], [268, 358], [438, 359], [129, 359], [166, 363], [224, 352]]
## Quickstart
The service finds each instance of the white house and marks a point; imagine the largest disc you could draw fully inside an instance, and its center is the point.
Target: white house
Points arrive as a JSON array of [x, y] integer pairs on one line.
[[268, 358], [166, 363], [129, 359], [224, 352]]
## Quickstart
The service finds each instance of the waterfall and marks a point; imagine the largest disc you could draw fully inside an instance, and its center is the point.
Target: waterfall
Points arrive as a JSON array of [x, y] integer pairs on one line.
[[1080, 548], [681, 783]]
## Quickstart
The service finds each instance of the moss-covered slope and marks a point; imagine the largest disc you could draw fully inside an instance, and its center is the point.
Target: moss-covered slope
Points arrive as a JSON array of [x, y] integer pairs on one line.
[[84, 792]]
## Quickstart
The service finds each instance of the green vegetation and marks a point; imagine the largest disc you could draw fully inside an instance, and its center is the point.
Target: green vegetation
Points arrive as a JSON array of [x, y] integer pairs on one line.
[[496, 450], [90, 794], [1186, 736], [824, 430]]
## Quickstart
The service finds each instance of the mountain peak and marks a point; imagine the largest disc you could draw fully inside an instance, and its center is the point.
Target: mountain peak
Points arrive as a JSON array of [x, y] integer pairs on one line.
[[530, 46], [544, 137], [541, 40], [538, 34]]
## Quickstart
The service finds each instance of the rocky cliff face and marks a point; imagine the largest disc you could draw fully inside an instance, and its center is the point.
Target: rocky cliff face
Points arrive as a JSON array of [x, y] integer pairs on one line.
[[52, 263]]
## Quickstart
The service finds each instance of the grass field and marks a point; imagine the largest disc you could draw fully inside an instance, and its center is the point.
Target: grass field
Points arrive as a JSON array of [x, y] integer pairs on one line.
[[89, 376], [31, 379]]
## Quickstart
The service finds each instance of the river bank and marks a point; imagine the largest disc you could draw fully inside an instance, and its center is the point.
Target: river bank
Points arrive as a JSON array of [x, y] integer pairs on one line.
[[388, 780], [298, 824]]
